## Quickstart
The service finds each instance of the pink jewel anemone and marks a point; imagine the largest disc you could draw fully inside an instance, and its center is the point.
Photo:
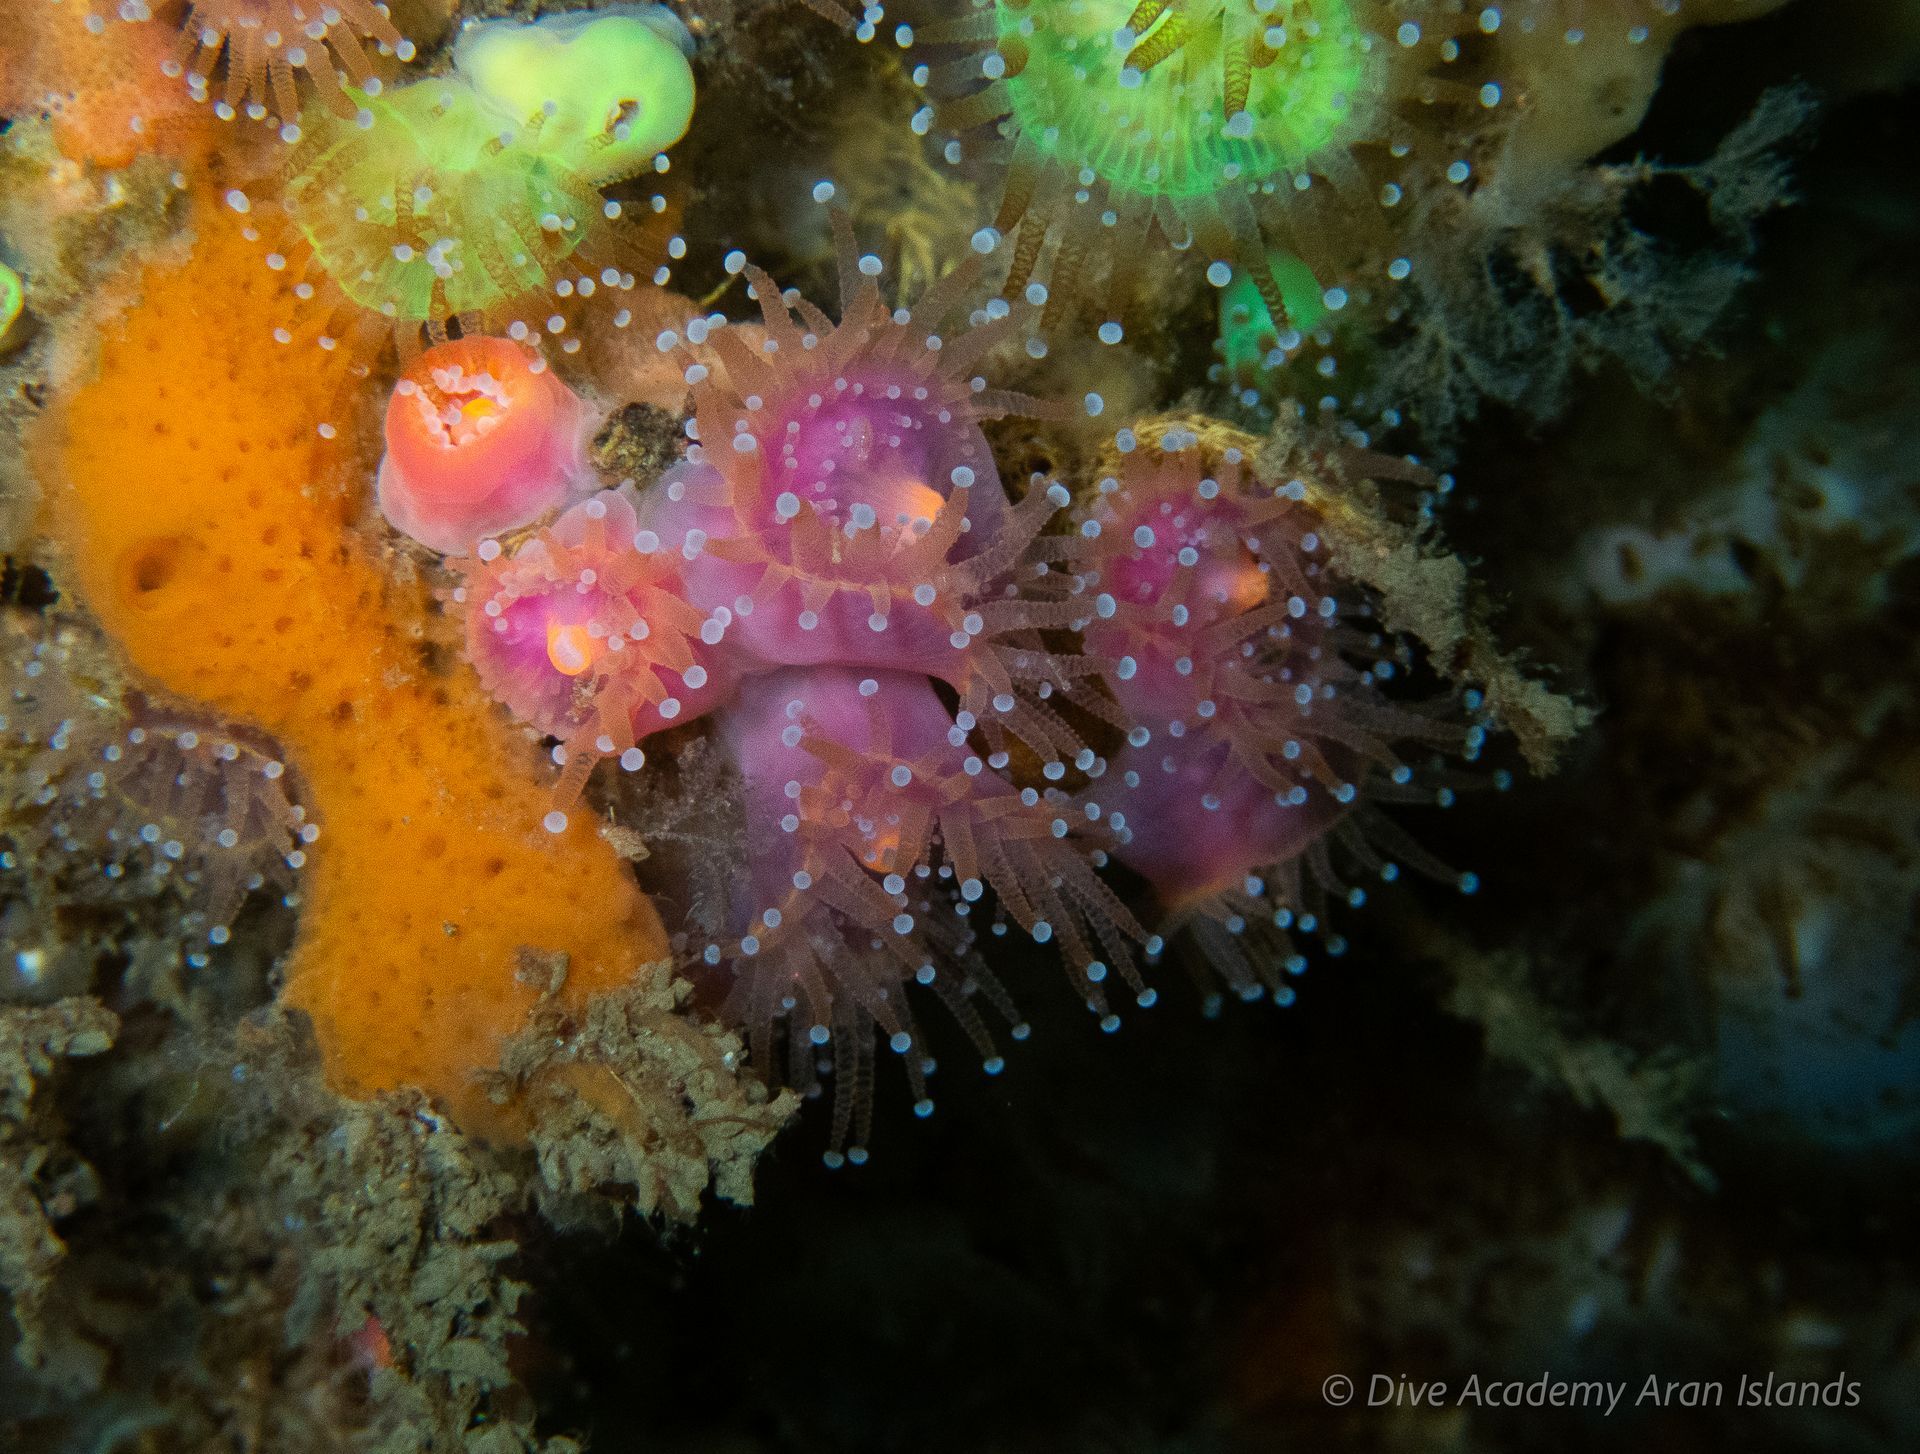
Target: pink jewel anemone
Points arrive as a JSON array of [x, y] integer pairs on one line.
[[842, 504], [884, 829], [481, 438], [585, 633], [1249, 678]]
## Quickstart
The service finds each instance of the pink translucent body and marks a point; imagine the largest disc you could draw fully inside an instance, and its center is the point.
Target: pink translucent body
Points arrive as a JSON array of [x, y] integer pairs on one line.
[[481, 439], [1200, 823], [588, 638]]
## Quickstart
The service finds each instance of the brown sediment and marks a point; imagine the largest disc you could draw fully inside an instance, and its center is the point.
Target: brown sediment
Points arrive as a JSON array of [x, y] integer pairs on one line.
[[41, 1182]]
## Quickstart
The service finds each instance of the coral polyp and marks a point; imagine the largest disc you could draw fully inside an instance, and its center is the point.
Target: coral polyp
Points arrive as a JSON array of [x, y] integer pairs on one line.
[[842, 505], [1251, 344], [482, 437], [1252, 678], [607, 91], [1188, 566], [587, 637], [1209, 92], [265, 42], [425, 215], [890, 830], [1228, 125], [129, 797], [465, 196]]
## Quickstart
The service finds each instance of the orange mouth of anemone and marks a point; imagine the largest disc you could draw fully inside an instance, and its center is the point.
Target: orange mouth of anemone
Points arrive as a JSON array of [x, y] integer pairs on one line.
[[882, 850], [457, 408], [1241, 587], [917, 503], [570, 649], [476, 414], [905, 509]]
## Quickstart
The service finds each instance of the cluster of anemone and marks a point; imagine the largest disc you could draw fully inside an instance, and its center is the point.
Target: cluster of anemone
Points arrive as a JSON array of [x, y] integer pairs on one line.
[[477, 196], [836, 574], [1266, 135], [953, 708], [956, 705], [1250, 680]]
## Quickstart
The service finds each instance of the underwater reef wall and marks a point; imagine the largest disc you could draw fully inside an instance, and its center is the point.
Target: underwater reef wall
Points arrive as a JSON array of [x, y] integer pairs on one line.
[[604, 604]]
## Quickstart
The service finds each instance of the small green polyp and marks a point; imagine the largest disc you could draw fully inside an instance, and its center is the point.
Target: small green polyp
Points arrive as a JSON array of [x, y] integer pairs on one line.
[[1165, 132], [1247, 330], [615, 89], [13, 297], [424, 213]]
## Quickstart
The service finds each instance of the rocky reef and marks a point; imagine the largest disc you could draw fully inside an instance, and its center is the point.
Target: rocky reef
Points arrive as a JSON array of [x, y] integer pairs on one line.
[[973, 725]]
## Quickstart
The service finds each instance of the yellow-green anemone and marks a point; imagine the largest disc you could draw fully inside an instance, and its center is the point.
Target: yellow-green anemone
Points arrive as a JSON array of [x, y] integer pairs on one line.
[[463, 193]]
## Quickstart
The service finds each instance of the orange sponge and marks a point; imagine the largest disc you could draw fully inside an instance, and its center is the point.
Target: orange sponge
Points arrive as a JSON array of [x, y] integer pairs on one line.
[[100, 81], [203, 498]]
